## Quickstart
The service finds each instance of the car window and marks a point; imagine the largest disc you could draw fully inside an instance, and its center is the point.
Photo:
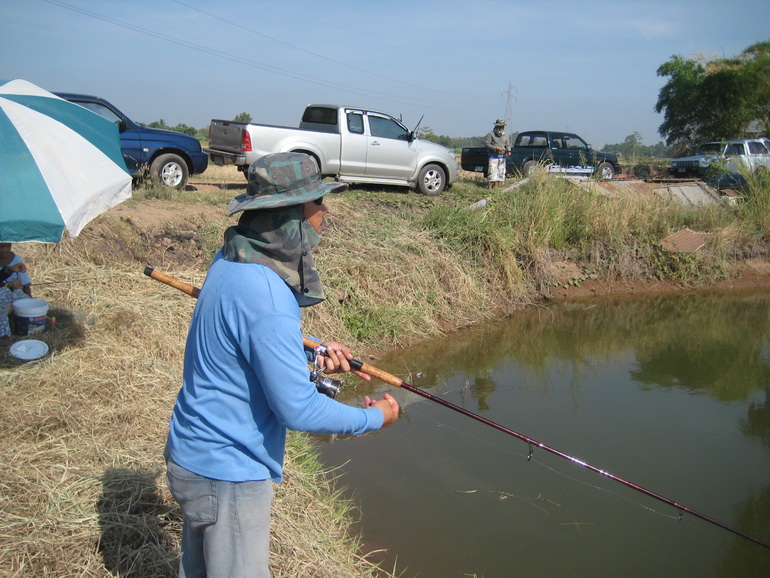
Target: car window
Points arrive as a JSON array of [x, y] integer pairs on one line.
[[101, 110], [572, 141], [356, 122], [735, 149], [710, 148], [320, 115], [532, 139], [386, 127], [757, 148]]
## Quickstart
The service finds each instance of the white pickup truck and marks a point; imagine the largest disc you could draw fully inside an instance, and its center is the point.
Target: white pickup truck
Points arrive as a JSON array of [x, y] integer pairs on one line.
[[731, 156], [353, 145]]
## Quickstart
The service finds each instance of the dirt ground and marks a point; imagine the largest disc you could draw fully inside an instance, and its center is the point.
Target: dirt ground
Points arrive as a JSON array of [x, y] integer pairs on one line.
[[754, 275]]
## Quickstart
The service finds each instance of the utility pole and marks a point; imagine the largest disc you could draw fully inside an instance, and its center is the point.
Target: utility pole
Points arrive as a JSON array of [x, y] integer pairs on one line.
[[509, 105]]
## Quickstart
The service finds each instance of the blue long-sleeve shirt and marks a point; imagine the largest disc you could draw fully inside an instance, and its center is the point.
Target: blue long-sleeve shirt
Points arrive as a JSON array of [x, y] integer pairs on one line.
[[246, 381]]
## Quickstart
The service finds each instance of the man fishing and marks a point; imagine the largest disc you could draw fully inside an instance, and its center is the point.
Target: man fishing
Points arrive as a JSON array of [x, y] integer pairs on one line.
[[245, 378]]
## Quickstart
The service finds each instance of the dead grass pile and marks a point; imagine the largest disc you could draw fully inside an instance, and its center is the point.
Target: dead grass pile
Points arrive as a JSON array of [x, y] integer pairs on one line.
[[83, 487]]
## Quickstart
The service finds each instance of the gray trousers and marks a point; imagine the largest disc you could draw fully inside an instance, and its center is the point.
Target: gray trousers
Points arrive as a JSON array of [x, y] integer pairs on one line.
[[226, 528]]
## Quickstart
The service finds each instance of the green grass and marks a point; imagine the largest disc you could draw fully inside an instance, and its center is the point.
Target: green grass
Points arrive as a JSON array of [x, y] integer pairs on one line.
[[616, 236]]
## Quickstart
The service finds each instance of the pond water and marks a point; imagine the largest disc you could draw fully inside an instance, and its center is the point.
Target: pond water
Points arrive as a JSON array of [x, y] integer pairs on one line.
[[668, 393]]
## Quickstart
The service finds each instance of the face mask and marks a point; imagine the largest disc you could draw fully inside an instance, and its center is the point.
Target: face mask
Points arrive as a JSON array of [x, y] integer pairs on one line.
[[280, 239]]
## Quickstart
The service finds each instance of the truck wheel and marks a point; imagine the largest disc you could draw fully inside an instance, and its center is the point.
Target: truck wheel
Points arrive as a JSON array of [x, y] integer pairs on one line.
[[527, 168], [169, 170], [643, 172], [605, 171], [432, 180]]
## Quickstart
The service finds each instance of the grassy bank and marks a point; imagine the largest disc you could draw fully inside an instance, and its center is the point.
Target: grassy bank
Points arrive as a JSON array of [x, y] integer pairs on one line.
[[83, 489]]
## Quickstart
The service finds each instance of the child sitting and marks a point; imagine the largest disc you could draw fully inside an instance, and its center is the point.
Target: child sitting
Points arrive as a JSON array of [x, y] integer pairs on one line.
[[9, 259], [8, 286]]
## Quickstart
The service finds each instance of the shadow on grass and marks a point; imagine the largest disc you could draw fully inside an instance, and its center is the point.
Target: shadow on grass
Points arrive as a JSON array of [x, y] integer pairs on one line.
[[63, 329], [138, 526]]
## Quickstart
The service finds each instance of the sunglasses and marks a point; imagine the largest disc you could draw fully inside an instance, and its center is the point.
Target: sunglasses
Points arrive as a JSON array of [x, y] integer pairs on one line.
[[319, 201]]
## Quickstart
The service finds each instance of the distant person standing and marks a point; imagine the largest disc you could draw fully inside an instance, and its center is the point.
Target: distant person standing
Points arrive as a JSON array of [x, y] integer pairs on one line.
[[498, 146]]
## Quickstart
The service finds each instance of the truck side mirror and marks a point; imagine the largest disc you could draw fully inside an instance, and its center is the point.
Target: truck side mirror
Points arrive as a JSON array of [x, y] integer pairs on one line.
[[122, 125]]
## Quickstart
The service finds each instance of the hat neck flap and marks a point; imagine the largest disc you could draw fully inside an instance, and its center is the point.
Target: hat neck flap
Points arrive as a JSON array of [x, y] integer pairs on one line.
[[280, 239]]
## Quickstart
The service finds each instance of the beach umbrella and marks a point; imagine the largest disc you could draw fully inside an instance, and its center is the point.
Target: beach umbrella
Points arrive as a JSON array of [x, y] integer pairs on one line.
[[60, 165]]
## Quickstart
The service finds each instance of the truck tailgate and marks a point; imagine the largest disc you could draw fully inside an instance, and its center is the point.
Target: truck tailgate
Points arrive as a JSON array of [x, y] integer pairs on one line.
[[225, 135]]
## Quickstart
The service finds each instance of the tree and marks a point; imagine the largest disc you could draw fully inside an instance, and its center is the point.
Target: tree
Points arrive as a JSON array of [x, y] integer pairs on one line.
[[426, 133], [715, 99], [678, 100], [632, 143], [633, 147], [159, 124], [242, 117], [757, 70]]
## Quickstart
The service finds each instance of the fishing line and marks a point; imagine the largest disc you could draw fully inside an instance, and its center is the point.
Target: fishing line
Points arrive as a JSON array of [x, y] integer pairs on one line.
[[711, 530], [546, 466]]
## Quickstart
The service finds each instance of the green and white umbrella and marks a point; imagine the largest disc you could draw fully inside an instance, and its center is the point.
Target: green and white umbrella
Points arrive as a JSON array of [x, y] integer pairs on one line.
[[60, 165]]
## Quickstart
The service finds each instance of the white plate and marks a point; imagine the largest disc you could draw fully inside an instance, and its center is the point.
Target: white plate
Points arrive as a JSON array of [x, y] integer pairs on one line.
[[28, 349]]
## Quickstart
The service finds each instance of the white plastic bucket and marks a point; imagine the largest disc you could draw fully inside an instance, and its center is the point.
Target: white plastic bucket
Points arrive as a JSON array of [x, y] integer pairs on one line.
[[29, 316]]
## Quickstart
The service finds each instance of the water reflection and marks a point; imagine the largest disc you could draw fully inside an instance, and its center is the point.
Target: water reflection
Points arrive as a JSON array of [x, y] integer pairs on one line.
[[757, 422], [707, 343], [668, 392]]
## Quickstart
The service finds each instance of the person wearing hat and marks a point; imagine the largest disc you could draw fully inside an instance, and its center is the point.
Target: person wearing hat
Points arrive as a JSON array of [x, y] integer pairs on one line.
[[498, 146], [11, 281], [245, 377]]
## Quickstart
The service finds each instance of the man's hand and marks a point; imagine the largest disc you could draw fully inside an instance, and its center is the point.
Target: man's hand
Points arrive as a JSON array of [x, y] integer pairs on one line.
[[337, 358], [388, 407]]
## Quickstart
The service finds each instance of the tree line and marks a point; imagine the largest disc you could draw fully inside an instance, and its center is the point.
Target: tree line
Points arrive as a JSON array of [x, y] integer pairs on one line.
[[711, 99]]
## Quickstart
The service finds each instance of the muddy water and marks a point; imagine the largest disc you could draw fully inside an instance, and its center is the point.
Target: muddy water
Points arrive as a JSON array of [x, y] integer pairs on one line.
[[668, 393]]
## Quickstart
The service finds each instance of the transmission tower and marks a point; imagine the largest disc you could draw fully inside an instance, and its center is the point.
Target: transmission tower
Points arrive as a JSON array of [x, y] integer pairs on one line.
[[509, 105]]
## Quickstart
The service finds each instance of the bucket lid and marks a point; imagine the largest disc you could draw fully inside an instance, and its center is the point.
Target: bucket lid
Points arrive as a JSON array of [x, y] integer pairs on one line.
[[28, 349], [29, 303], [30, 307]]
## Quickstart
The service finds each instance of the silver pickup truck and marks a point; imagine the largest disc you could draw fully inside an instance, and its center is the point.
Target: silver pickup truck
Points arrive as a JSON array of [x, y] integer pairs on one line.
[[353, 145], [730, 156]]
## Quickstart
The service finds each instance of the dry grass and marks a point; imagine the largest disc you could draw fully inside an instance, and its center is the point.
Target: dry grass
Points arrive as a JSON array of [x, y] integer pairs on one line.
[[83, 490], [83, 487]]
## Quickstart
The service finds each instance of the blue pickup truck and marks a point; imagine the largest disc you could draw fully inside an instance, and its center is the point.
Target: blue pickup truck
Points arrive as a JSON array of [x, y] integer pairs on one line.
[[167, 157]]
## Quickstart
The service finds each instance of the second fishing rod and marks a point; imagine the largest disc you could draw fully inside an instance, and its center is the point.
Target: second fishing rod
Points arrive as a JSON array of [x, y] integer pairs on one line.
[[395, 381]]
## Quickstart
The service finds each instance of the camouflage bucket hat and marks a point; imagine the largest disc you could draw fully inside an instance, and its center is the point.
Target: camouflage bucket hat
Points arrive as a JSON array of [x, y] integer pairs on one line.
[[499, 122], [282, 180]]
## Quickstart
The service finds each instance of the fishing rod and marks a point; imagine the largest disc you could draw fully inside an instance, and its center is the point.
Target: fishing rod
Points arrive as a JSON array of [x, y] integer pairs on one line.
[[395, 381], [53, 283]]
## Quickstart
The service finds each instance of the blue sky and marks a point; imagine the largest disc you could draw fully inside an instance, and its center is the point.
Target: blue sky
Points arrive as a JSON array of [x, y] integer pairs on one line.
[[587, 67]]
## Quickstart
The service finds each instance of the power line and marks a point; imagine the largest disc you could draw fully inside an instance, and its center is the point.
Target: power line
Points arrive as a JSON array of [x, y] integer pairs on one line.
[[246, 61], [321, 56]]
